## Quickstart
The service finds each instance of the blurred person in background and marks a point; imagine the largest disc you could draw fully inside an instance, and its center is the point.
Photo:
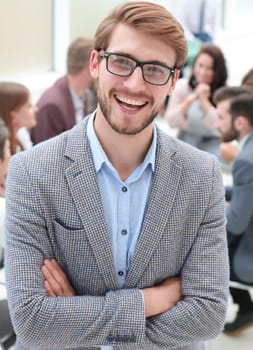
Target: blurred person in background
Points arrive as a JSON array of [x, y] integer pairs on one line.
[[5, 155], [235, 122], [191, 108], [248, 79], [200, 19], [18, 113], [70, 98], [229, 150]]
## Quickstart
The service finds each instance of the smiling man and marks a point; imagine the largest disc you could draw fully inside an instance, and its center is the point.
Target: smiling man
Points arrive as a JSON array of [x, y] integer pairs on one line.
[[116, 231]]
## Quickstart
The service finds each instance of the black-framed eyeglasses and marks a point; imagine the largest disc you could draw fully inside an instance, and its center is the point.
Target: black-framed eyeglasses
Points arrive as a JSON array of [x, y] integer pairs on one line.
[[124, 65]]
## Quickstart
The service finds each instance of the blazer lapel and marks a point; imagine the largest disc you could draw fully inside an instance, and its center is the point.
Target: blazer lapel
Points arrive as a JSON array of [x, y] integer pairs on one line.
[[164, 189], [81, 178]]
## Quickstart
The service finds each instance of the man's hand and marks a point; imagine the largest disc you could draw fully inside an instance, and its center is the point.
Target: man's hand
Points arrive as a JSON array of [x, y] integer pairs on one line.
[[228, 151], [56, 282], [163, 297]]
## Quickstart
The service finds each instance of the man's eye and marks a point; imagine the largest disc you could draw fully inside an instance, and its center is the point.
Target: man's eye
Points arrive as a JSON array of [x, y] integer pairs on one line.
[[154, 70], [123, 62]]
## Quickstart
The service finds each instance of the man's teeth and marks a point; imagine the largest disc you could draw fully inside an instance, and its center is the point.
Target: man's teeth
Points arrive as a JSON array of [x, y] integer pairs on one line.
[[130, 102]]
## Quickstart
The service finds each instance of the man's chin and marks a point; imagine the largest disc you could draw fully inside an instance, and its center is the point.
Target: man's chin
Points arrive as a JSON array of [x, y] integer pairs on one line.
[[228, 139]]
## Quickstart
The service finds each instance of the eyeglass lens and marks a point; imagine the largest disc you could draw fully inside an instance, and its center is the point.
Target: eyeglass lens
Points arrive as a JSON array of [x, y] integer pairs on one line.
[[124, 66]]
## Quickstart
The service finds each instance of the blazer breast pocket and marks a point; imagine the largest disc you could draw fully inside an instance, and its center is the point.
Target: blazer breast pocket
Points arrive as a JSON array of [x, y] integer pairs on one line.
[[69, 238], [75, 255], [71, 241]]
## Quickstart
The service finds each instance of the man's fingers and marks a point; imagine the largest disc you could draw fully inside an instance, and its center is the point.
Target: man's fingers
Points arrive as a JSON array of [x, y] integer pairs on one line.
[[55, 270], [57, 273], [49, 277], [56, 278], [49, 289]]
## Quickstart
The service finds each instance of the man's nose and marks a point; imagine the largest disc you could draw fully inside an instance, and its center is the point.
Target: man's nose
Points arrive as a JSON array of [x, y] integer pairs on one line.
[[216, 124], [135, 80]]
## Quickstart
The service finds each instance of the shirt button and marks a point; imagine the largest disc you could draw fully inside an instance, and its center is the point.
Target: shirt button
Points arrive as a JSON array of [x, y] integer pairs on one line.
[[124, 189], [124, 232], [120, 273]]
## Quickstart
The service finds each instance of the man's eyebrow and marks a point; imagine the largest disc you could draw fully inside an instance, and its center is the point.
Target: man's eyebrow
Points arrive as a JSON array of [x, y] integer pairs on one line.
[[148, 61]]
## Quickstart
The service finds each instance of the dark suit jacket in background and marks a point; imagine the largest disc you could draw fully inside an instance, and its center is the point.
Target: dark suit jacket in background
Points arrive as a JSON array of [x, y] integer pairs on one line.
[[56, 112], [240, 213]]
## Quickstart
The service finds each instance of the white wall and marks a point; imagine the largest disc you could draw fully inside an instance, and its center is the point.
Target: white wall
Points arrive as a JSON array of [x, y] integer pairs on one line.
[[25, 37], [30, 32], [85, 16]]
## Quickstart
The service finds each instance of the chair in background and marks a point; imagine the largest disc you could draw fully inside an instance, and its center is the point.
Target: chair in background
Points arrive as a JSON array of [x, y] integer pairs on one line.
[[7, 334]]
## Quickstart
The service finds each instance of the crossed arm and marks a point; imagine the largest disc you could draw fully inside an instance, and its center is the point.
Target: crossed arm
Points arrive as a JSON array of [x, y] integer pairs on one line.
[[157, 299], [115, 316]]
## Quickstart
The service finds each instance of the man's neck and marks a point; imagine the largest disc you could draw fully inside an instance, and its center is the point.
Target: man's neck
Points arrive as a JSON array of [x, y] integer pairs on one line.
[[77, 84], [125, 152], [244, 134]]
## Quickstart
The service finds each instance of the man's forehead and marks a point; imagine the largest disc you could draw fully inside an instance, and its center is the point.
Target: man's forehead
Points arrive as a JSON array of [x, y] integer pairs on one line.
[[142, 46]]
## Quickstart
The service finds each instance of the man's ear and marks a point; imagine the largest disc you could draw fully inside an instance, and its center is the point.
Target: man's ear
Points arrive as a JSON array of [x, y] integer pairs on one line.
[[94, 64], [241, 123], [174, 80]]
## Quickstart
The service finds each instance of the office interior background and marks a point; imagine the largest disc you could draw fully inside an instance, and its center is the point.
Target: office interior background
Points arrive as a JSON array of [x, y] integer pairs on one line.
[[35, 34]]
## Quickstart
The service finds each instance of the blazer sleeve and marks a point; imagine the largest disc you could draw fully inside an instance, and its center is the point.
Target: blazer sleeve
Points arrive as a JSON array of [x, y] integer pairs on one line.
[[63, 322], [240, 210], [205, 282]]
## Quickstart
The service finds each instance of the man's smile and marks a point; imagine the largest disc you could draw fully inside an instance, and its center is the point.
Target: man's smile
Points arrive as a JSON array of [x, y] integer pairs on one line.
[[129, 102]]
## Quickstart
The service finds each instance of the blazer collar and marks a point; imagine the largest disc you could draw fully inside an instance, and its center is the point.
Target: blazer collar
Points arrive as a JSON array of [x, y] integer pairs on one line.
[[164, 189], [81, 178]]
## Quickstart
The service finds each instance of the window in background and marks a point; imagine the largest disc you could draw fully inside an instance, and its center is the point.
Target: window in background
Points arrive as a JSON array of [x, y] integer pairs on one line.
[[85, 16], [237, 16], [26, 37], [243, 12]]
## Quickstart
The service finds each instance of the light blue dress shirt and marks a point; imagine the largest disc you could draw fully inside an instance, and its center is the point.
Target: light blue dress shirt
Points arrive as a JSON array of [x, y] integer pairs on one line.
[[124, 202]]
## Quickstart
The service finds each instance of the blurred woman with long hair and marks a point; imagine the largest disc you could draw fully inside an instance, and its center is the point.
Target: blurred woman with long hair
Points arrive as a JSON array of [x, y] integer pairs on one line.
[[191, 108], [16, 110]]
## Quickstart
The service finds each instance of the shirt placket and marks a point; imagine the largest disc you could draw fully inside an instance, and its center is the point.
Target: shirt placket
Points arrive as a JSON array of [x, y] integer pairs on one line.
[[122, 233]]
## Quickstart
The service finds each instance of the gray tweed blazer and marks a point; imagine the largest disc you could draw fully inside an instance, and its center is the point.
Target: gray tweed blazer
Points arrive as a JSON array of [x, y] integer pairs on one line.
[[54, 209]]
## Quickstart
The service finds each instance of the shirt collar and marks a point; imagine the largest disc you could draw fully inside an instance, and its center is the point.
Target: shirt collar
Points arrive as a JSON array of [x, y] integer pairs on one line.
[[100, 157], [78, 102], [242, 142]]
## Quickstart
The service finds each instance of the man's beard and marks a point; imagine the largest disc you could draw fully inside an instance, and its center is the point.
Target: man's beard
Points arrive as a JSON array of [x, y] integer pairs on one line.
[[124, 130], [230, 135]]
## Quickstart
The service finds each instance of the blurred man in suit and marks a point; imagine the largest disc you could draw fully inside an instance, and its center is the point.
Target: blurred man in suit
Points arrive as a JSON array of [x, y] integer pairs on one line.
[[70, 98], [200, 19], [134, 217], [235, 122]]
